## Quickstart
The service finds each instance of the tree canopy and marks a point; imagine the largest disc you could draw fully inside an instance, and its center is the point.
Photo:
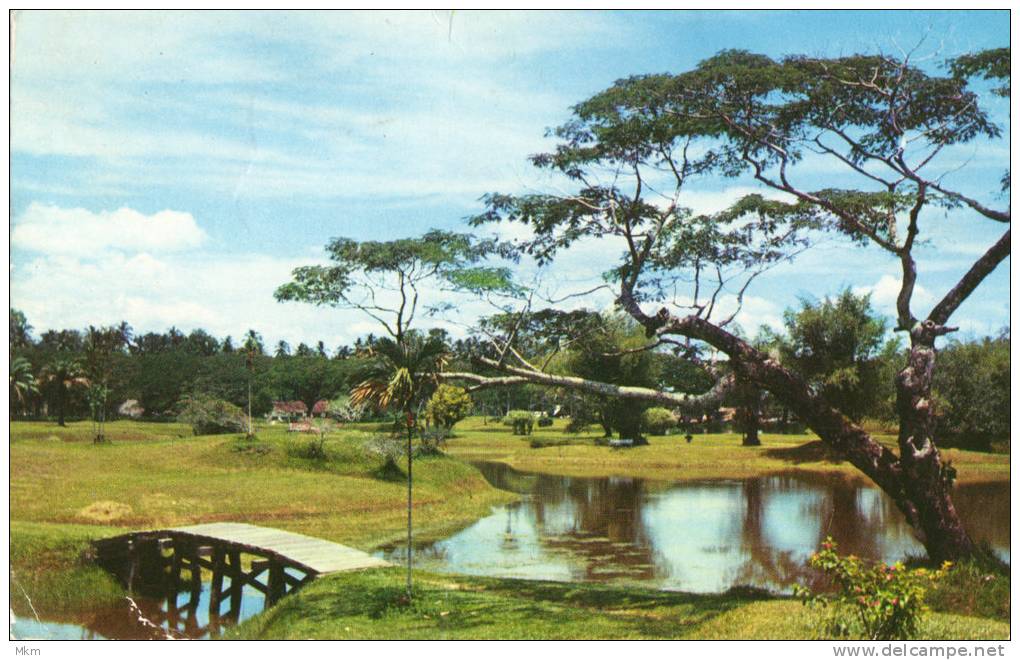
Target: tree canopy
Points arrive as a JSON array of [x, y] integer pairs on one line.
[[879, 122]]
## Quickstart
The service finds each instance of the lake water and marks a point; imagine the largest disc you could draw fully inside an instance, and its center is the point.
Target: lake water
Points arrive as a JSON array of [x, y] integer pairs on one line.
[[698, 536]]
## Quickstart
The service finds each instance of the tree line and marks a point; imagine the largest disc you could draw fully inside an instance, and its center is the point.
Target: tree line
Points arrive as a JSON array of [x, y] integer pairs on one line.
[[63, 374]]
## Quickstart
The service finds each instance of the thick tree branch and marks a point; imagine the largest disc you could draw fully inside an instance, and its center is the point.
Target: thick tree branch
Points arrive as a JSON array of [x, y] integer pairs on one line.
[[977, 273], [686, 402]]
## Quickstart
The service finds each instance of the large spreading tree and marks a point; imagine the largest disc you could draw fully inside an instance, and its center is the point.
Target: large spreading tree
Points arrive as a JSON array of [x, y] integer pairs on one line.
[[882, 123]]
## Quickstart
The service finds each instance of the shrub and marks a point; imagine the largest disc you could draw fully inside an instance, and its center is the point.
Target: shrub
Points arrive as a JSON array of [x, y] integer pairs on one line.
[[873, 600], [391, 448], [545, 421], [577, 424], [448, 405], [210, 416], [658, 421], [432, 441], [539, 443], [975, 587], [343, 411], [522, 421]]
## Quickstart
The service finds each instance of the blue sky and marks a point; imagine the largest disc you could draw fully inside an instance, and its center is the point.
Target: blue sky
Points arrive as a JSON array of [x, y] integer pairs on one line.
[[172, 168]]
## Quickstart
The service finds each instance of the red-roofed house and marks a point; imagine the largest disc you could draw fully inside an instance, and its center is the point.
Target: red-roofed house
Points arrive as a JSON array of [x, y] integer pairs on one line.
[[288, 410], [321, 408]]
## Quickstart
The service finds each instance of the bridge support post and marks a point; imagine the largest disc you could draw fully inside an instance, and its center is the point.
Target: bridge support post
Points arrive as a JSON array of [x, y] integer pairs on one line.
[[236, 584], [277, 583], [216, 587]]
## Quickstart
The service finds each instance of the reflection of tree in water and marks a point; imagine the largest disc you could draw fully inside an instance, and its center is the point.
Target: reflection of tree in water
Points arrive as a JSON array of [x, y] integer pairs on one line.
[[766, 565], [609, 528], [838, 512], [605, 529], [984, 509]]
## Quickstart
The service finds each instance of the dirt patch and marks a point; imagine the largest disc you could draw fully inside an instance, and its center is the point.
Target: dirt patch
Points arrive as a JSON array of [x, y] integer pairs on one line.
[[105, 511]]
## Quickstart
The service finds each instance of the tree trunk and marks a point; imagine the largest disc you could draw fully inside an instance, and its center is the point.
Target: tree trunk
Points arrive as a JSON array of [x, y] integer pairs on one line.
[[251, 429], [917, 483], [927, 482], [61, 396], [749, 415]]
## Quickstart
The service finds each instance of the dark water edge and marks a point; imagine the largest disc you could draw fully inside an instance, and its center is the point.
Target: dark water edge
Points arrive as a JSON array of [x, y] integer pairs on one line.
[[696, 536]]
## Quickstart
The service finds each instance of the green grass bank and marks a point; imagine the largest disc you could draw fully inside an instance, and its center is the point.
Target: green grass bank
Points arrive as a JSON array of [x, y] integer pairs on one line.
[[671, 457], [367, 605]]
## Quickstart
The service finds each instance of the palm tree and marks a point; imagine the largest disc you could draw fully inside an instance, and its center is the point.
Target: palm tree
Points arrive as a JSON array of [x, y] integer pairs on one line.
[[400, 376], [63, 374], [22, 382], [252, 348]]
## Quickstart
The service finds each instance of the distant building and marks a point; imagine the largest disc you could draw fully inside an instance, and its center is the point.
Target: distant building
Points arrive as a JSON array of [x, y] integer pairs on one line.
[[321, 408], [286, 411]]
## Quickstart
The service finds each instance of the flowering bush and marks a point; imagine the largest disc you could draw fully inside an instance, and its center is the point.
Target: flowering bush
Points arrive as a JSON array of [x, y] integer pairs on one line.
[[873, 600]]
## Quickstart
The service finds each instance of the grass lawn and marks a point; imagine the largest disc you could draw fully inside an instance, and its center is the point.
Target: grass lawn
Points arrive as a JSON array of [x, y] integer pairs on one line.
[[714, 456], [154, 475], [367, 605]]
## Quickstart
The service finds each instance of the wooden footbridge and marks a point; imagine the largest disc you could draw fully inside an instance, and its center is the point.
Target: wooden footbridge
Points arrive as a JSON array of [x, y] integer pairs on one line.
[[154, 561]]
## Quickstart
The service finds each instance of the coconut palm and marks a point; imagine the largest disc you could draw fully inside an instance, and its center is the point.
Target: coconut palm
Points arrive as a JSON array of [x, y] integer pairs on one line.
[[63, 374], [400, 376], [23, 383]]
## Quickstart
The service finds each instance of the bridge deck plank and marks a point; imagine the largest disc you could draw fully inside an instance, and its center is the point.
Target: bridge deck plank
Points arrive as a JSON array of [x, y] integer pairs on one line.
[[318, 555]]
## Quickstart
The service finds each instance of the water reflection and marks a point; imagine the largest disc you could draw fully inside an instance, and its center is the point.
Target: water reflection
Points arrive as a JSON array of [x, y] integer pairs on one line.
[[146, 618], [696, 536]]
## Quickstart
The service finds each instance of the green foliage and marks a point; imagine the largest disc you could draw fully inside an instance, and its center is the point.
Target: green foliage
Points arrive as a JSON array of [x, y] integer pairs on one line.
[[609, 352], [544, 421], [974, 587], [20, 336], [22, 383], [209, 416], [522, 421], [400, 375], [449, 404], [992, 64], [875, 601], [309, 378], [579, 421], [450, 257], [658, 421], [972, 393], [839, 346]]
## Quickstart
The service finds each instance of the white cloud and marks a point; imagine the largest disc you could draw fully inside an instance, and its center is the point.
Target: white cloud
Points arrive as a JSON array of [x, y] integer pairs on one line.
[[384, 102], [223, 294], [52, 230], [706, 201], [887, 288]]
